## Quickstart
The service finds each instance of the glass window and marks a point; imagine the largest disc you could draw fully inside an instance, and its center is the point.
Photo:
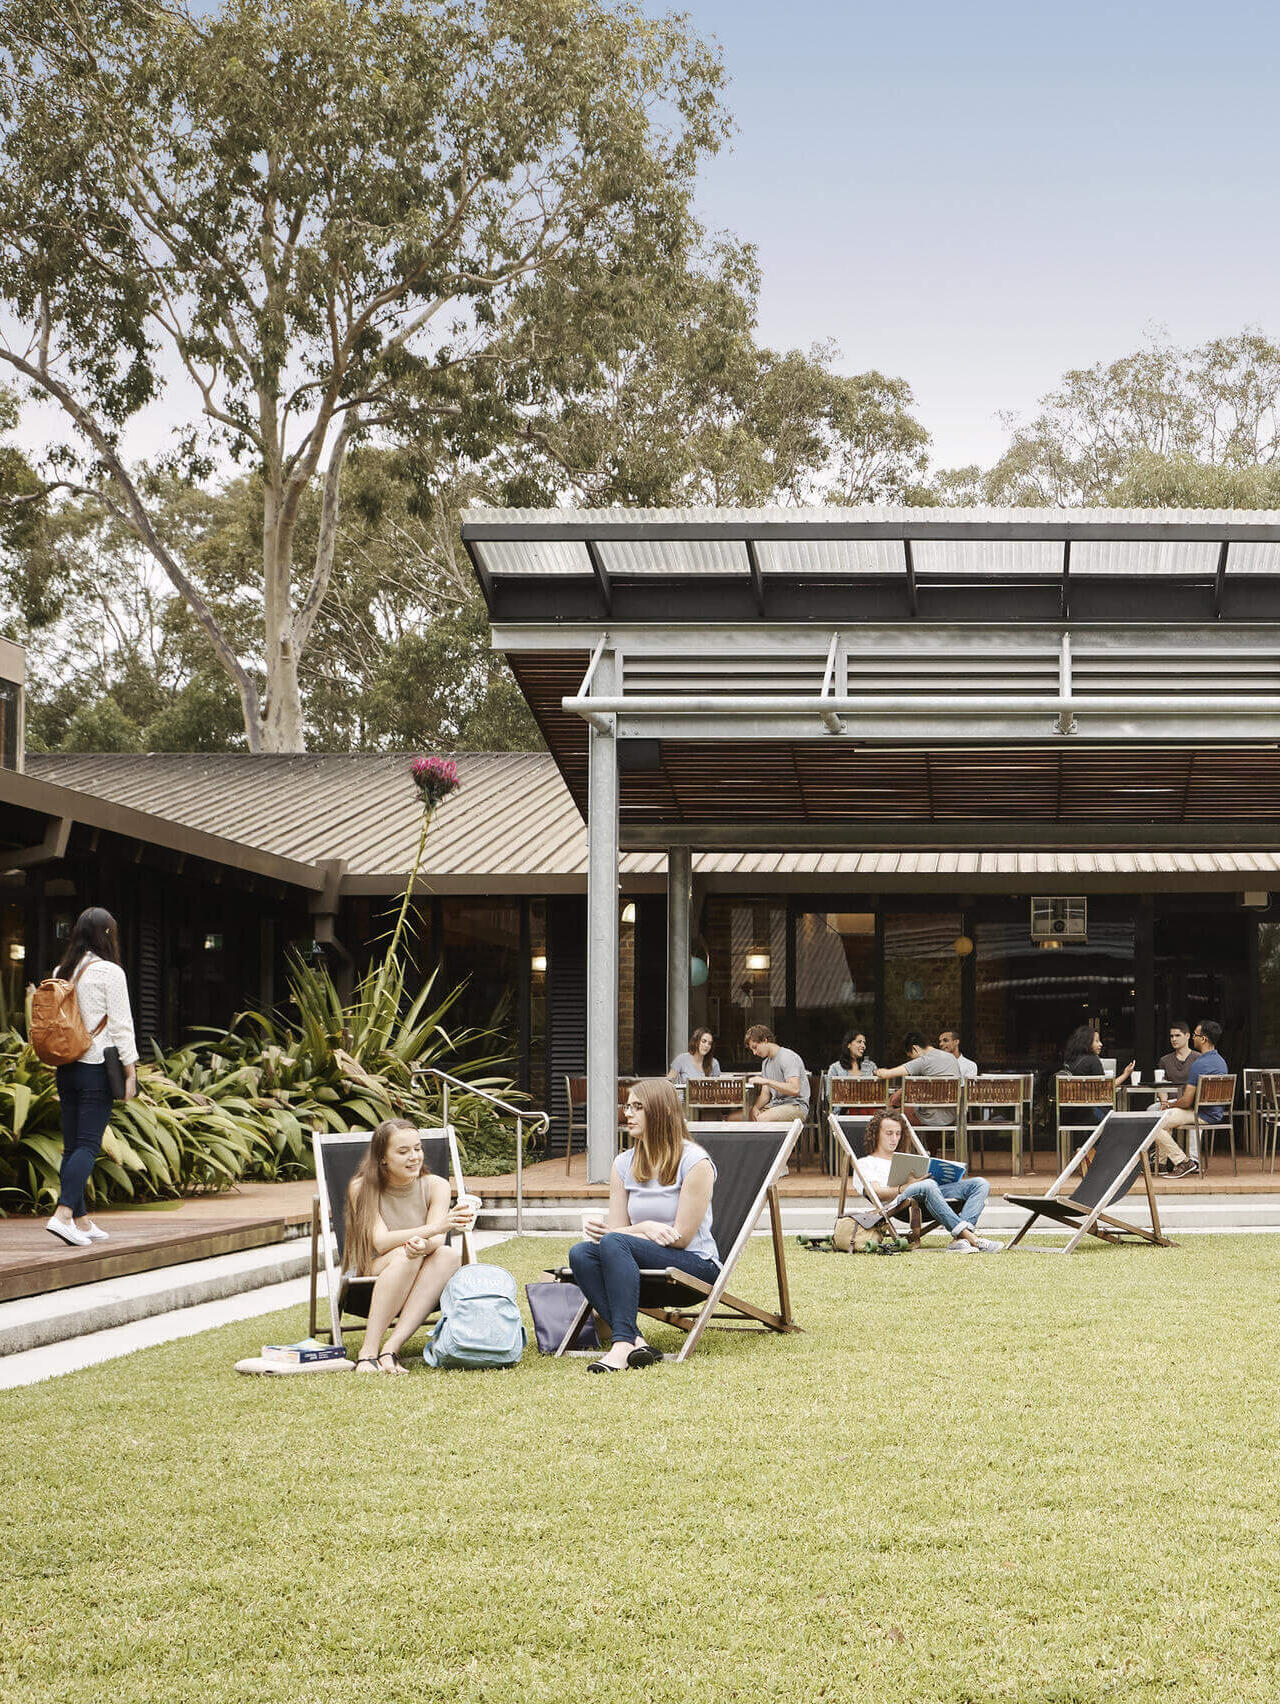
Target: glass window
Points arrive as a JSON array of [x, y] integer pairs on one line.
[[481, 949], [747, 972], [835, 981], [1028, 999], [9, 705], [538, 1002], [921, 977]]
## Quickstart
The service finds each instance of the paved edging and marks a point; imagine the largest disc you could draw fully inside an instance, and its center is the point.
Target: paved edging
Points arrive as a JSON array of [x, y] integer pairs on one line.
[[33, 1322]]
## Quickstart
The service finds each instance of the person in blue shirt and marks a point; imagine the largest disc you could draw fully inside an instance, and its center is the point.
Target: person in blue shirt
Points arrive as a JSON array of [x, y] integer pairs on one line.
[[1180, 1116]]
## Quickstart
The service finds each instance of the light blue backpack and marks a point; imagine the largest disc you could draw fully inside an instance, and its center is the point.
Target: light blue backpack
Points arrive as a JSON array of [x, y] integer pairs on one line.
[[479, 1324]]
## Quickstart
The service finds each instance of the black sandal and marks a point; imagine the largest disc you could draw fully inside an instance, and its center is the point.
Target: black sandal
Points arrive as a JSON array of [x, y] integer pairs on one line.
[[367, 1361], [643, 1356], [397, 1365], [601, 1367]]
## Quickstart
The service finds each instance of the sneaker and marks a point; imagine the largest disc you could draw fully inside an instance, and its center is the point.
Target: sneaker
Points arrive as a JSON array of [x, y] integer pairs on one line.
[[986, 1246], [1188, 1168], [95, 1233], [961, 1246], [69, 1232]]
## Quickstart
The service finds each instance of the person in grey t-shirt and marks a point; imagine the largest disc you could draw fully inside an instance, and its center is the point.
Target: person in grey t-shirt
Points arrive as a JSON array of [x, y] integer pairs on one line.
[[782, 1080], [925, 1061]]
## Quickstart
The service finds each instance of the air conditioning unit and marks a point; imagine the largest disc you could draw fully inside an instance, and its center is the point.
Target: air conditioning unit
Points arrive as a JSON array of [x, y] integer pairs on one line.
[[1060, 919]]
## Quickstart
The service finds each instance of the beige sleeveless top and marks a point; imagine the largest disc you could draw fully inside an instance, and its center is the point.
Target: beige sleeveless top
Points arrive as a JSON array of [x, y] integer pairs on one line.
[[403, 1209]]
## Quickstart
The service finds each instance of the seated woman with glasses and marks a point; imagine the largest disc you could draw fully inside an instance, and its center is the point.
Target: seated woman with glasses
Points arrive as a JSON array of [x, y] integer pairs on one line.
[[659, 1216]]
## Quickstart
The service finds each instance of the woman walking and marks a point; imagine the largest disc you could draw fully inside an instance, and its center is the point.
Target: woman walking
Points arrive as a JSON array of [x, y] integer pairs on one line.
[[92, 963]]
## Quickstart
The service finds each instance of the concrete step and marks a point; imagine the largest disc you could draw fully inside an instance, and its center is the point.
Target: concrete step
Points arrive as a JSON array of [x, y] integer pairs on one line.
[[31, 1322], [1186, 1213]]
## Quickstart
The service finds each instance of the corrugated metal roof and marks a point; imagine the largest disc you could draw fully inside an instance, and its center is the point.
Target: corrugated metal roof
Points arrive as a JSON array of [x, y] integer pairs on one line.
[[513, 824]]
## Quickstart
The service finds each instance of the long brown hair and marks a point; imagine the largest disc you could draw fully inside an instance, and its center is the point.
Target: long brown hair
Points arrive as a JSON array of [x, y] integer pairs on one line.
[[659, 1150], [694, 1039], [358, 1252], [94, 931]]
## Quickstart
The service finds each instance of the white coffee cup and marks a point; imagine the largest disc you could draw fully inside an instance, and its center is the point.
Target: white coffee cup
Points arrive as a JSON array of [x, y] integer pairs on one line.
[[591, 1216], [1159, 1076], [1135, 1076], [475, 1203]]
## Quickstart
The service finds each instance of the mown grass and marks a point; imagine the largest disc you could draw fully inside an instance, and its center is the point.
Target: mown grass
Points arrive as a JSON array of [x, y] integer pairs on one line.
[[1013, 1477]]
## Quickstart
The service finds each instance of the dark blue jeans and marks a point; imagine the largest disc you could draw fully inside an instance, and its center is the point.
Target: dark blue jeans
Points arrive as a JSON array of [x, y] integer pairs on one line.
[[608, 1274], [85, 1100]]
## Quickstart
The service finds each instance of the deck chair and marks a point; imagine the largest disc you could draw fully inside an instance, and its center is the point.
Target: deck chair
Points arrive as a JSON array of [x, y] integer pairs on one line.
[[849, 1137], [749, 1159], [337, 1157], [1102, 1171]]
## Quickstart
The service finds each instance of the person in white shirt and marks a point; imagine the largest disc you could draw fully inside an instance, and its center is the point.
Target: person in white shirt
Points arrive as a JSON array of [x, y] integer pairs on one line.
[[949, 1042], [957, 1210], [92, 961]]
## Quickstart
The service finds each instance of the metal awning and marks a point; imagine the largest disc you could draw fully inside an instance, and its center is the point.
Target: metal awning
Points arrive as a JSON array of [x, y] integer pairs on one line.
[[914, 564]]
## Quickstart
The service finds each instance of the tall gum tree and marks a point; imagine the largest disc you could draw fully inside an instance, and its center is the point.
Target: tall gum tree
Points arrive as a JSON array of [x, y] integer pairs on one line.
[[320, 213]]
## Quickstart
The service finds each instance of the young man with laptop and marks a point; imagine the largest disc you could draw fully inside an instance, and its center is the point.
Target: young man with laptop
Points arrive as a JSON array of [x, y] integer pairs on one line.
[[940, 1187]]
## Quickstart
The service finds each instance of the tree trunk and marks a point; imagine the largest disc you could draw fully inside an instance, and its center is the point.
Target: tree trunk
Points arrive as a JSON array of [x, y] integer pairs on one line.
[[280, 724]]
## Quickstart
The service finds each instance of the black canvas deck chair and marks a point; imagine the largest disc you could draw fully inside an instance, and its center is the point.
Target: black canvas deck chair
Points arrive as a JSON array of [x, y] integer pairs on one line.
[[749, 1159], [849, 1134], [337, 1155], [1101, 1173]]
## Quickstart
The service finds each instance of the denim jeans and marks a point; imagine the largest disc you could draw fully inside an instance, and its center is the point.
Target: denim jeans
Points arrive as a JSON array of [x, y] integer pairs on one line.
[[969, 1196], [608, 1274], [85, 1101]]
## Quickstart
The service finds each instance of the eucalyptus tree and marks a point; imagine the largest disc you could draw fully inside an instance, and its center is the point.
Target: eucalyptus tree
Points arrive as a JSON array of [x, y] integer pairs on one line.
[[309, 220]]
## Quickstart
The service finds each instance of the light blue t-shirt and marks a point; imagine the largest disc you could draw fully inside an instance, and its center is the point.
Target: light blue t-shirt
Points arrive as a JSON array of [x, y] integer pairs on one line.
[[685, 1066], [654, 1200], [1210, 1064]]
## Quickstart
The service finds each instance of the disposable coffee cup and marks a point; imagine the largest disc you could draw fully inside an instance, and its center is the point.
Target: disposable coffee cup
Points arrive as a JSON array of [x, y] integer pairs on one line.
[[475, 1203], [589, 1217], [1135, 1077]]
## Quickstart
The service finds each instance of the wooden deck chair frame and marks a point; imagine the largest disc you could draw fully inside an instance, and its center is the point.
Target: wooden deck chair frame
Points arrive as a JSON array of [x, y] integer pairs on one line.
[[715, 1302], [1091, 1219], [850, 1167], [324, 1239]]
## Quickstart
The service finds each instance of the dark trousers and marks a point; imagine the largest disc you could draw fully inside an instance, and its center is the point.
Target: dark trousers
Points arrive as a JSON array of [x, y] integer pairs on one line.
[[608, 1274], [85, 1100]]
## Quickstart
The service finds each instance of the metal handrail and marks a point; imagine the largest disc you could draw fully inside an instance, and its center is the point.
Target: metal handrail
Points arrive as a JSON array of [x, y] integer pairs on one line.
[[541, 1119]]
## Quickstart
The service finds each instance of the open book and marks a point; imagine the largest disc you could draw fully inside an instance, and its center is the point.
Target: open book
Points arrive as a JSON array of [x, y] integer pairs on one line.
[[905, 1168]]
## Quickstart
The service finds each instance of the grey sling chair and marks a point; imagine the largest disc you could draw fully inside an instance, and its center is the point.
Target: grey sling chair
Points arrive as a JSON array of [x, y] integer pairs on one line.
[[749, 1159], [337, 1157], [1101, 1173], [850, 1136]]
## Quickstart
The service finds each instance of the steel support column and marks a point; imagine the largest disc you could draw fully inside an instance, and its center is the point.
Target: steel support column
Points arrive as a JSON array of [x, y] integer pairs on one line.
[[679, 892], [602, 940]]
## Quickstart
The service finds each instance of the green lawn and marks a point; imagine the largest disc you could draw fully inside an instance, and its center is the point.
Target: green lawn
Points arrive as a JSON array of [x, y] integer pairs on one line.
[[1052, 1480]]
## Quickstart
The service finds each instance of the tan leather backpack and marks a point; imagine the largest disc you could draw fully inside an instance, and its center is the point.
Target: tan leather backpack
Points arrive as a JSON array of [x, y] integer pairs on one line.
[[57, 1031]]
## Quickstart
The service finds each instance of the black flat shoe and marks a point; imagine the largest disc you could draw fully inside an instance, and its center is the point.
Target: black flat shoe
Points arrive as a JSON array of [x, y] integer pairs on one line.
[[643, 1356], [603, 1366]]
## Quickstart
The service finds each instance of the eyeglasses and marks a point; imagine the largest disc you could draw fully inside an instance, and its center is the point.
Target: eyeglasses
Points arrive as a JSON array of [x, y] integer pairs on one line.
[[633, 1106]]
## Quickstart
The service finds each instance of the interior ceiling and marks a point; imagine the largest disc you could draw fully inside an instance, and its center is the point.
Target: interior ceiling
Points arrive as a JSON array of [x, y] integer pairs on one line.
[[829, 780]]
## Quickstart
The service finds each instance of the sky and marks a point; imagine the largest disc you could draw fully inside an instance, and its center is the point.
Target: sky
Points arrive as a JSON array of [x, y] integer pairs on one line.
[[977, 198]]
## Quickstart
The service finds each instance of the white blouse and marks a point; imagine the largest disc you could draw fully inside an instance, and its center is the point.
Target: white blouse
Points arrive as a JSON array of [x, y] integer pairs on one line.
[[101, 991]]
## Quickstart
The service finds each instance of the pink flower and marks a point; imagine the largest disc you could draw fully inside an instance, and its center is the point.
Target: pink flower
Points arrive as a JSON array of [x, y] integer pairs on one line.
[[434, 777]]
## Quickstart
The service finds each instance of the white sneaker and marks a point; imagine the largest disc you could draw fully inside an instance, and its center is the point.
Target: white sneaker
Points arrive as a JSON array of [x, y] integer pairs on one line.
[[986, 1246], [95, 1233], [961, 1246], [69, 1232]]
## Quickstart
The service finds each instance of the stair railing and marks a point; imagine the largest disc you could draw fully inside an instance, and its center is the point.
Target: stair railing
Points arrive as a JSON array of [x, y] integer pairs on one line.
[[539, 1122]]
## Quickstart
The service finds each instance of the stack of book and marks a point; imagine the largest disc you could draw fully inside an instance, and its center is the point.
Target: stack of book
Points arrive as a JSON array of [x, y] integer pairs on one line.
[[308, 1353]]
